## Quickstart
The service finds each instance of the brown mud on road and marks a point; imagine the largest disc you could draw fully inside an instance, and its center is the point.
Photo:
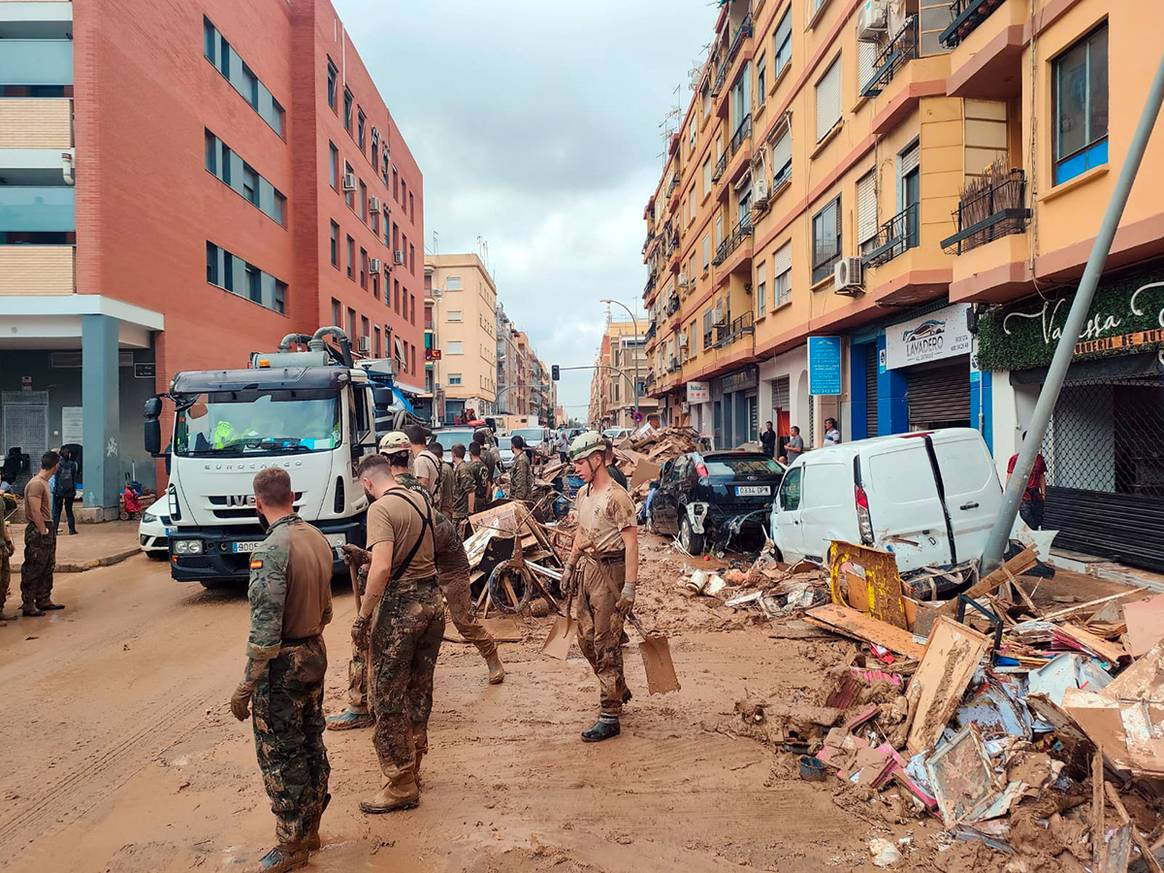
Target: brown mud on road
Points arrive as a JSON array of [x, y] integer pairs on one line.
[[121, 754]]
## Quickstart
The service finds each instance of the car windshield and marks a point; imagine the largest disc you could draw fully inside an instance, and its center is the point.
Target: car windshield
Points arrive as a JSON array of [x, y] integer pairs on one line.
[[531, 435], [235, 423], [730, 468], [613, 432], [449, 438]]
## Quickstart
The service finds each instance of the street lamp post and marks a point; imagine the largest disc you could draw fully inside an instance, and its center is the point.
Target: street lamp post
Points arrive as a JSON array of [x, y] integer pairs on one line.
[[635, 322]]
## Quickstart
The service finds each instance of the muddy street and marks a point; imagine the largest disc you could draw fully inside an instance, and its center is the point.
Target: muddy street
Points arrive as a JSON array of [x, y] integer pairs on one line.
[[124, 756]]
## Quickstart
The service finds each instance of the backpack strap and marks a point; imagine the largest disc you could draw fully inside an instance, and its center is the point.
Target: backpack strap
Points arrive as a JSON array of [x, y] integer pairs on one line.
[[425, 524]]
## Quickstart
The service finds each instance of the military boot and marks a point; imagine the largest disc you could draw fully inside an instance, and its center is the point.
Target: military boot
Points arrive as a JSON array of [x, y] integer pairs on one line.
[[350, 719], [496, 669], [285, 856], [31, 610], [604, 729], [399, 791]]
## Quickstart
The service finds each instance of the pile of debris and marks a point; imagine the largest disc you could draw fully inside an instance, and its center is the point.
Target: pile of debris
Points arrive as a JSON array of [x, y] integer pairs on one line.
[[661, 445], [1038, 733]]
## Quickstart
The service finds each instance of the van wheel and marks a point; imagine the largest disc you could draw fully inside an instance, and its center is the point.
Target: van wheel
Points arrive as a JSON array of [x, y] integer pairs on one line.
[[689, 539]]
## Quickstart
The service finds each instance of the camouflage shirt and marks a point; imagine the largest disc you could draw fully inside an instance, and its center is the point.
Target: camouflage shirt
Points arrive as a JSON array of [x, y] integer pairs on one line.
[[481, 477], [521, 477], [290, 586], [464, 484]]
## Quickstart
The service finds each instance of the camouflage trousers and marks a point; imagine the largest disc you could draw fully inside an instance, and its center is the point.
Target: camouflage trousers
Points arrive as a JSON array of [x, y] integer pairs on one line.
[[287, 714], [600, 630], [407, 628], [40, 559], [5, 574]]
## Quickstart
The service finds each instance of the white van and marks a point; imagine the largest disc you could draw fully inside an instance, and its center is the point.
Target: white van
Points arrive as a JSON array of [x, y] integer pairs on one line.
[[930, 497]]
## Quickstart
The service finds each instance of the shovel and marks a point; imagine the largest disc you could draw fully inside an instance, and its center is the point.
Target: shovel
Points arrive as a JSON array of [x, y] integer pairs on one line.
[[562, 632]]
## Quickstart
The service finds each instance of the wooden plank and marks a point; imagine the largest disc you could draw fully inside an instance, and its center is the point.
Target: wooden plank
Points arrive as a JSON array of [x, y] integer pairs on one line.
[[1097, 831], [1117, 803], [1107, 650], [951, 655], [848, 622], [1016, 566], [1118, 851], [1083, 607]]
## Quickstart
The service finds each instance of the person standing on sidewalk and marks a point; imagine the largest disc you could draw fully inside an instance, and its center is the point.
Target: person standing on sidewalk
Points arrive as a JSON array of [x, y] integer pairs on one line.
[[1034, 501], [65, 491], [794, 448], [7, 550], [768, 440], [40, 541], [290, 597], [607, 544]]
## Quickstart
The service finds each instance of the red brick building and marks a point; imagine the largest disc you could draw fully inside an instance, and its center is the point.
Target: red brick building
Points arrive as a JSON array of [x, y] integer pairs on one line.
[[237, 177]]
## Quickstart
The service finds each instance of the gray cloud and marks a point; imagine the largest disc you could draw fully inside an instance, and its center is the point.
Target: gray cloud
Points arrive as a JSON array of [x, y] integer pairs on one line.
[[536, 126]]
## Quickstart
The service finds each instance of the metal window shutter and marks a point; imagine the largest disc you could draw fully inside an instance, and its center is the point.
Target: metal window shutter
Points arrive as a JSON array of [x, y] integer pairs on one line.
[[910, 159], [939, 396], [871, 388], [867, 207], [782, 151], [782, 260], [780, 393], [866, 61], [828, 100]]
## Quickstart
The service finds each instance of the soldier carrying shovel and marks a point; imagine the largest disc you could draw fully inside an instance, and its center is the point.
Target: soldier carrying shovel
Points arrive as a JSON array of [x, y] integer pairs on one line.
[[607, 545]]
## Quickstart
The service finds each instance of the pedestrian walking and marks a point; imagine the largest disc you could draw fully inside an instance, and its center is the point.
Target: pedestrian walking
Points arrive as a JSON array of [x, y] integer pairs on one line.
[[7, 550], [832, 435], [401, 623], [1034, 502], [521, 473], [794, 448], [563, 446], [605, 555], [290, 598], [40, 541], [768, 440], [65, 491]]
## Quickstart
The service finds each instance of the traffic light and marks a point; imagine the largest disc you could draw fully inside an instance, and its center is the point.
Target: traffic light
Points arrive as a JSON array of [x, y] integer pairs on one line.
[[555, 373]]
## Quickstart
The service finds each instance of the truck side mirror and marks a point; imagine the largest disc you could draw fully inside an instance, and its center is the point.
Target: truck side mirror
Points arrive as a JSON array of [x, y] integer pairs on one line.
[[153, 407], [153, 437]]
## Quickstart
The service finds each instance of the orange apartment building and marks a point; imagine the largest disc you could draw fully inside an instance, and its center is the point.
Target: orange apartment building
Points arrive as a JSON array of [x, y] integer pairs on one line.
[[911, 188], [180, 185]]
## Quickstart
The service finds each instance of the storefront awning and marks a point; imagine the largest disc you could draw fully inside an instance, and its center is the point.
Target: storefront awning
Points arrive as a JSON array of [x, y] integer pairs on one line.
[[1117, 367]]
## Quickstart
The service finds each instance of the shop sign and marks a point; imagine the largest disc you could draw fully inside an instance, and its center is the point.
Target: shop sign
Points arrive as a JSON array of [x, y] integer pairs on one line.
[[744, 379], [930, 337], [824, 365], [698, 392], [1126, 315]]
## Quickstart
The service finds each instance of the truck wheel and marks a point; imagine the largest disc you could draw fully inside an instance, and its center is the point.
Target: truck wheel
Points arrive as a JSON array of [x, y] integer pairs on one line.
[[689, 539], [214, 584]]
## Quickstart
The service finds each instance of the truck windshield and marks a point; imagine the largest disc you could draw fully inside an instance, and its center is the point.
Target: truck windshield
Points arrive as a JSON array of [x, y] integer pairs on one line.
[[235, 423], [531, 435], [449, 438]]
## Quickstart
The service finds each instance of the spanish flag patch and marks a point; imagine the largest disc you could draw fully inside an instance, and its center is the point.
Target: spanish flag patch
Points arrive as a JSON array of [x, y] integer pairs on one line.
[[256, 564]]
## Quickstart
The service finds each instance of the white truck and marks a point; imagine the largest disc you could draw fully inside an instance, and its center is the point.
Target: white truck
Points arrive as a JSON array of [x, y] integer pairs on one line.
[[307, 408]]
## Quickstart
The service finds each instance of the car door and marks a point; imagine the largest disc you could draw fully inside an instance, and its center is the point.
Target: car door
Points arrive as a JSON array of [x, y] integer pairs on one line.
[[664, 505], [828, 510], [786, 529], [972, 490]]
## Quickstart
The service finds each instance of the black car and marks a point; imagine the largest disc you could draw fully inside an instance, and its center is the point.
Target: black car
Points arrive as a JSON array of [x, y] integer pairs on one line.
[[715, 498]]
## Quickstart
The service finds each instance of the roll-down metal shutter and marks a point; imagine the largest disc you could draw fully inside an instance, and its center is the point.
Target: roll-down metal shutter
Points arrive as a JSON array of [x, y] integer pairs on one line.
[[871, 388], [939, 396]]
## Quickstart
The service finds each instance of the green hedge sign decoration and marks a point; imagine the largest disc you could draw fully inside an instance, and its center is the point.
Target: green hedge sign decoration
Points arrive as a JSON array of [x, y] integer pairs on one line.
[[1126, 315]]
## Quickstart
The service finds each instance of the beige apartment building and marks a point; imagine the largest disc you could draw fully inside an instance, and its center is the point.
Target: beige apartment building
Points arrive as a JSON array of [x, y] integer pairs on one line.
[[464, 331], [621, 362]]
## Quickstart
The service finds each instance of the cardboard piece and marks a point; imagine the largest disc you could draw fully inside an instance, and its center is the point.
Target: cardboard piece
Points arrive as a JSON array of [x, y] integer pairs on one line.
[[850, 623], [951, 656], [645, 471], [1145, 621], [961, 775], [867, 580], [1131, 732], [1144, 680]]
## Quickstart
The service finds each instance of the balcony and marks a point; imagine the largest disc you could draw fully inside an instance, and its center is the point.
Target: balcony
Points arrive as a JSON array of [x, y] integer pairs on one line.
[[720, 78], [29, 269], [37, 62], [672, 305], [743, 132], [742, 231], [37, 209], [968, 14], [673, 185], [901, 49], [650, 334], [720, 166], [650, 286], [895, 237], [673, 365], [993, 207], [738, 327], [744, 31]]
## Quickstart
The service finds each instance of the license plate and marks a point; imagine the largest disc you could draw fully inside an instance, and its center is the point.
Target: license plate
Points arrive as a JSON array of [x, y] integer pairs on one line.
[[248, 546], [753, 490]]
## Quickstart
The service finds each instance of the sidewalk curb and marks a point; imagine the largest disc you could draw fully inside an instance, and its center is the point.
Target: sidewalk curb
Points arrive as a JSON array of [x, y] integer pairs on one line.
[[92, 563]]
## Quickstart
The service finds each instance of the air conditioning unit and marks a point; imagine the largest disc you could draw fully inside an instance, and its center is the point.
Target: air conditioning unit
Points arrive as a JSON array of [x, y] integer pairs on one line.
[[760, 189], [683, 280], [375, 265], [398, 257], [682, 340], [848, 276], [349, 181], [373, 204], [717, 314], [872, 20], [364, 346]]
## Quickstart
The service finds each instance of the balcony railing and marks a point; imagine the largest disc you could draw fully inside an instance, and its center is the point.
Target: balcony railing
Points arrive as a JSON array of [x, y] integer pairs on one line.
[[650, 284], [988, 213], [894, 237], [742, 231], [720, 166], [673, 185], [967, 15], [739, 326], [742, 132], [650, 335], [901, 49], [672, 304], [720, 78], [673, 365], [743, 32]]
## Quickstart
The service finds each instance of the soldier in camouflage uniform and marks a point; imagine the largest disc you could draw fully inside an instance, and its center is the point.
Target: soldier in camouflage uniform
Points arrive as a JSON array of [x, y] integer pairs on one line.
[[290, 597], [521, 474], [480, 474], [464, 491], [7, 550]]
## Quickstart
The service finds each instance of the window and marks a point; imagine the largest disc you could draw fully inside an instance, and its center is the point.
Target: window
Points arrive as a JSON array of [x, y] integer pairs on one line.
[[233, 274], [348, 101], [817, 5], [866, 209], [826, 240], [376, 285], [782, 44], [782, 276], [349, 194], [361, 127], [866, 64], [376, 347], [741, 104], [706, 176], [790, 490], [411, 208], [364, 326], [456, 347], [455, 315], [782, 157], [332, 79], [454, 379], [363, 201], [336, 312], [1079, 86], [761, 80], [395, 185], [242, 178], [335, 245], [217, 50], [351, 258], [761, 287], [452, 283], [828, 100], [412, 259], [691, 205], [364, 269], [706, 250], [333, 165], [351, 327]]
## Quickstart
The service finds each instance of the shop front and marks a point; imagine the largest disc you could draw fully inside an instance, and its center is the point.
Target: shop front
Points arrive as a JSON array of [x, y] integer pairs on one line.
[[736, 408], [784, 397], [1104, 447]]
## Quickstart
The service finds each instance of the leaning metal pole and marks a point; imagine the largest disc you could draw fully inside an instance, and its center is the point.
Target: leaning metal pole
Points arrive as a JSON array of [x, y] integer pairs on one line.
[[1072, 328]]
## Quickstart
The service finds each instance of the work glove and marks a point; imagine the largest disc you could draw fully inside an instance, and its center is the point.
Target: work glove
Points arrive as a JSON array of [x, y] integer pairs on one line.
[[360, 632], [626, 600], [569, 580], [240, 701]]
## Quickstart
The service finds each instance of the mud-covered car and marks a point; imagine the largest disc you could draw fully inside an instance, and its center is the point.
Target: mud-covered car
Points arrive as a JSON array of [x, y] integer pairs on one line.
[[715, 499]]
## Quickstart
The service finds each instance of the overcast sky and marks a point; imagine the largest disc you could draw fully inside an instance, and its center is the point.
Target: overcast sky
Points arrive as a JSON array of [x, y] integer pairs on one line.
[[536, 126]]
